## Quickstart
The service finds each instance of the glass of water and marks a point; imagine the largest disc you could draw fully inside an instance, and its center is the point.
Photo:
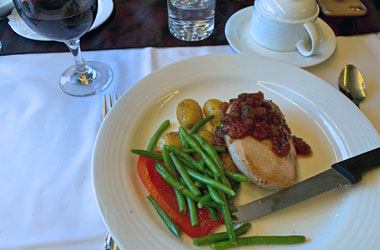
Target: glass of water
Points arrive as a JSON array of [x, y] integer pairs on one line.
[[191, 20]]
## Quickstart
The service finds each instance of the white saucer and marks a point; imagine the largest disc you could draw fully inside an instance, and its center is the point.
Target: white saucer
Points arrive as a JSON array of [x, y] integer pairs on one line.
[[239, 38], [5, 7], [105, 8]]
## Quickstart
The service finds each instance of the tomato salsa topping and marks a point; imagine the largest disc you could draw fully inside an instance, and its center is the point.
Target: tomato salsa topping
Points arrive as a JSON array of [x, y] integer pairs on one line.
[[251, 115]]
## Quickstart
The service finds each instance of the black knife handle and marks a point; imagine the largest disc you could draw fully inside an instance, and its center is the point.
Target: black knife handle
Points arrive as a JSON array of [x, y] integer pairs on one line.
[[354, 168]]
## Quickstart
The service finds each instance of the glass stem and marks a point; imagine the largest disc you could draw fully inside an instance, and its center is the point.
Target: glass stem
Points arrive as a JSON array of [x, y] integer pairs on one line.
[[80, 63], [83, 73]]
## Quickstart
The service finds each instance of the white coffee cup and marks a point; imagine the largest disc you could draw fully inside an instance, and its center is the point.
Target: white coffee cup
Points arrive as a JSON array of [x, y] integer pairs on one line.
[[286, 25]]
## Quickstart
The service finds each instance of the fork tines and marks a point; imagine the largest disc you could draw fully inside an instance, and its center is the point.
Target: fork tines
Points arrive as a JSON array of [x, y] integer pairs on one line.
[[108, 105]]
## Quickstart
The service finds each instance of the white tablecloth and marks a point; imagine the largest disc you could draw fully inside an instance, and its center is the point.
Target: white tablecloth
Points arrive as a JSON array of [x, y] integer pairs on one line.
[[46, 139]]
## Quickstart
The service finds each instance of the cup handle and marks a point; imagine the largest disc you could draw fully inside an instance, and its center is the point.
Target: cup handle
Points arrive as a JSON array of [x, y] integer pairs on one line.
[[314, 36]]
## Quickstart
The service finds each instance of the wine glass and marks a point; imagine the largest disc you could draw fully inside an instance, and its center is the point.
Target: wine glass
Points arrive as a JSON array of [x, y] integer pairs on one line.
[[66, 21]]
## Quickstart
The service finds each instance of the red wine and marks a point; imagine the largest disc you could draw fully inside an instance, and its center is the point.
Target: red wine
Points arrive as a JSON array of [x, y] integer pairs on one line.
[[60, 20]]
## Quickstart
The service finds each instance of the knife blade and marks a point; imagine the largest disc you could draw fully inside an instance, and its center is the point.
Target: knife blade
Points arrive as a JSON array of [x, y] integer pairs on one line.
[[346, 172]]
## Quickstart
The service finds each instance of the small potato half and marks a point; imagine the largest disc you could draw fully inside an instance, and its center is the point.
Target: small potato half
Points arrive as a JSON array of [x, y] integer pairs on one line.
[[212, 107], [189, 112], [207, 135], [171, 138]]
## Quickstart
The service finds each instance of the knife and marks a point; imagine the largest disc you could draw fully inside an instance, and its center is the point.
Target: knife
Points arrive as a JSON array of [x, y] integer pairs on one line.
[[343, 173]]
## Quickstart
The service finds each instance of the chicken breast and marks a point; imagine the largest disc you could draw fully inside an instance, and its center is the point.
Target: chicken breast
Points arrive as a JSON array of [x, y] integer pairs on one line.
[[261, 165], [257, 157]]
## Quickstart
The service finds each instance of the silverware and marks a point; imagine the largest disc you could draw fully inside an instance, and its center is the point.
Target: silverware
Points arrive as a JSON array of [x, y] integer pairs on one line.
[[109, 243], [352, 85], [108, 104], [343, 173]]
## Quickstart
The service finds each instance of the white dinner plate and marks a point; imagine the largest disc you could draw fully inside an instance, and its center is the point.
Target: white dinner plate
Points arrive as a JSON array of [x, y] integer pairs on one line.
[[105, 8], [336, 129], [237, 32]]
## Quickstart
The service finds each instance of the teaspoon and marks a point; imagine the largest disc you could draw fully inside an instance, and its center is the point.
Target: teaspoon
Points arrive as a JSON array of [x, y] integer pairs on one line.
[[351, 84]]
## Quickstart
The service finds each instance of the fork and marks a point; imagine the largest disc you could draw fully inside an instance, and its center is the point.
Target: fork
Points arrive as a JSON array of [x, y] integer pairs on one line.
[[109, 243], [108, 105]]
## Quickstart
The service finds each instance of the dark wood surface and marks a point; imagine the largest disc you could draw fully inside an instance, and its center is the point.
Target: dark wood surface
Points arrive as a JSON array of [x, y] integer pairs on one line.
[[144, 23]]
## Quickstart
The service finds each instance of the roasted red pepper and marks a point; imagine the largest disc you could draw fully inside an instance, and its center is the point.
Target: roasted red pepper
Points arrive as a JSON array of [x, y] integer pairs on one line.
[[164, 194]]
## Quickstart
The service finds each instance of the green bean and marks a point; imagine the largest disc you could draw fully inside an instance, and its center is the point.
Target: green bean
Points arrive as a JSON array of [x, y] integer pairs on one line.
[[233, 209], [210, 203], [198, 184], [186, 192], [153, 140], [214, 156], [208, 239], [168, 162], [202, 163], [236, 176], [184, 143], [165, 217], [169, 166], [188, 150], [219, 149], [184, 156], [181, 201], [227, 220], [192, 212], [185, 176], [213, 213], [209, 150], [205, 171], [225, 181], [194, 144], [206, 201], [260, 240], [214, 195], [178, 185], [229, 207], [220, 211], [168, 177], [208, 181], [199, 124], [148, 154], [206, 198], [234, 187], [186, 163]]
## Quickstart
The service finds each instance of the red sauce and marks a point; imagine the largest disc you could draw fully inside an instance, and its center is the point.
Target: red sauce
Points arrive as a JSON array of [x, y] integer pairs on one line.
[[252, 115], [302, 148]]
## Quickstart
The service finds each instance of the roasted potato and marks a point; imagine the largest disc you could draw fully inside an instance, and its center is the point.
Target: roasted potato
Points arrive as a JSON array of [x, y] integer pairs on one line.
[[189, 112], [212, 107], [207, 135], [171, 138]]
